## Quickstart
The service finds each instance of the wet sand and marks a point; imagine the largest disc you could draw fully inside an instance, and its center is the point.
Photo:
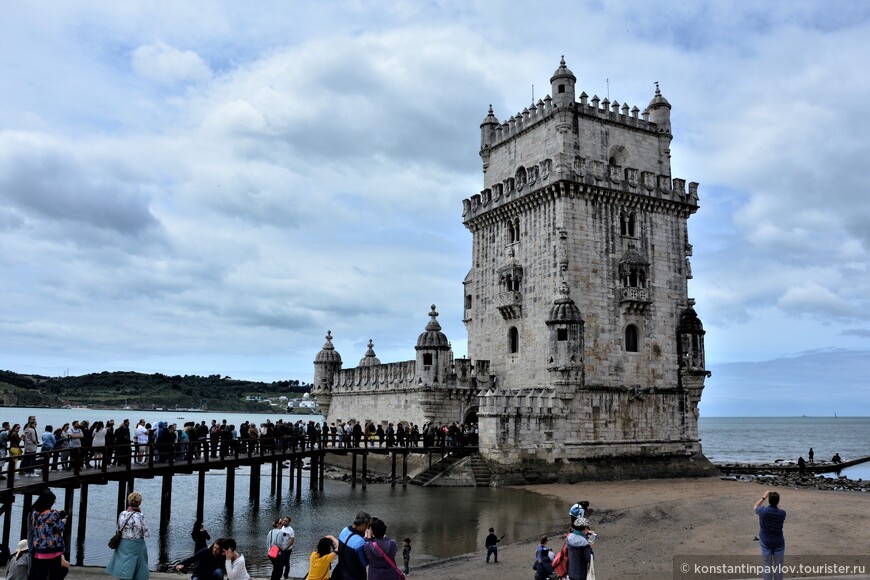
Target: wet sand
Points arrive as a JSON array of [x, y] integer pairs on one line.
[[642, 525]]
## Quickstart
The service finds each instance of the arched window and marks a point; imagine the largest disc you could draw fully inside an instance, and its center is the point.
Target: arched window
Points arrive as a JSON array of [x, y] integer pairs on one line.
[[517, 230], [513, 340], [632, 222], [631, 338], [623, 225], [512, 233], [427, 359]]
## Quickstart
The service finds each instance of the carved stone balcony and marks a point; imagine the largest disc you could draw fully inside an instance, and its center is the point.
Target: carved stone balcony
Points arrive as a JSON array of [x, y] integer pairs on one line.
[[635, 298], [510, 304]]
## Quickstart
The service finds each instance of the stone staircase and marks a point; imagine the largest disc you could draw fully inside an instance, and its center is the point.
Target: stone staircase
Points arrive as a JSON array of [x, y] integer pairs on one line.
[[482, 475], [438, 468]]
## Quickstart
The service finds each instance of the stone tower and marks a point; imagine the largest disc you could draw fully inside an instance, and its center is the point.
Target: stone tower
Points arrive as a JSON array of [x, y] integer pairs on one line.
[[577, 297]]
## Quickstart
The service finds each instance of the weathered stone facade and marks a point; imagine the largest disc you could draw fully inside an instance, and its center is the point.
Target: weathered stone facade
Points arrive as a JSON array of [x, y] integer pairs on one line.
[[586, 355]]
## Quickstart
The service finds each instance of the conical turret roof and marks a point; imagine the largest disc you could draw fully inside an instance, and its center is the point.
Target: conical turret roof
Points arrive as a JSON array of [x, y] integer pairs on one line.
[[369, 360], [432, 337], [328, 354], [658, 100], [563, 72], [564, 310], [689, 321]]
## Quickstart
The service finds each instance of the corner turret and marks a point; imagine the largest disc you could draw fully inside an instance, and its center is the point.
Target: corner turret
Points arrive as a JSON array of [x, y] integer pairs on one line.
[[327, 364], [562, 85], [434, 355], [565, 362], [659, 110], [487, 129], [690, 336]]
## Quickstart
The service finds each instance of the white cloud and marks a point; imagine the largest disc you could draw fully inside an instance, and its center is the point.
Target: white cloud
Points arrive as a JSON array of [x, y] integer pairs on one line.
[[255, 177], [166, 64]]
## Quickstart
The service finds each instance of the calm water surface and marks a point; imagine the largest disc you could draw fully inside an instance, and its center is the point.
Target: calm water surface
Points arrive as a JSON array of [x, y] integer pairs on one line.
[[441, 522]]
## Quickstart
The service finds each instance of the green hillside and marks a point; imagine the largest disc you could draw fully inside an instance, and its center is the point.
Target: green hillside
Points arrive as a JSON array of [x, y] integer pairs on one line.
[[141, 391]]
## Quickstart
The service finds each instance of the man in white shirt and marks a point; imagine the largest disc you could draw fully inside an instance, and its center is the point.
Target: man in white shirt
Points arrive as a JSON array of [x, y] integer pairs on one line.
[[288, 539], [141, 442]]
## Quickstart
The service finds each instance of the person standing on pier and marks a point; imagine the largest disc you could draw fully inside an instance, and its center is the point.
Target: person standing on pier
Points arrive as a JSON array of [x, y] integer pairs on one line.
[[811, 455], [122, 441], [31, 446], [129, 561]]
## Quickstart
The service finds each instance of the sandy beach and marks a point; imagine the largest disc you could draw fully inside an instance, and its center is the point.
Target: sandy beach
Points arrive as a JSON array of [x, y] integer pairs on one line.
[[642, 525]]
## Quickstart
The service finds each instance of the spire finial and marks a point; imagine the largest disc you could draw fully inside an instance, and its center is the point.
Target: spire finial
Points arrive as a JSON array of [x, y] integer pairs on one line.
[[562, 62], [328, 345], [433, 321], [564, 290], [658, 91]]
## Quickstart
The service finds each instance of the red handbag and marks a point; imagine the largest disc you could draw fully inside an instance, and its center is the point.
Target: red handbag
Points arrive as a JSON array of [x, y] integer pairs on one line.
[[560, 562]]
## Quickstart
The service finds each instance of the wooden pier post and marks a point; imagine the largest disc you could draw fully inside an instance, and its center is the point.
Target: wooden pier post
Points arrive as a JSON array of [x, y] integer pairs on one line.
[[322, 474], [200, 495], [230, 497], [405, 469], [365, 467], [26, 505], [121, 504], [7, 522], [312, 472], [278, 467], [82, 530], [393, 470], [299, 479], [254, 490], [68, 498], [165, 501], [272, 479], [353, 471], [291, 474]]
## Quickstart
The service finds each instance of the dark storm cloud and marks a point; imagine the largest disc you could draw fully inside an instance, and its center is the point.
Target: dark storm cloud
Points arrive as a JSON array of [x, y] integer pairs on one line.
[[47, 182]]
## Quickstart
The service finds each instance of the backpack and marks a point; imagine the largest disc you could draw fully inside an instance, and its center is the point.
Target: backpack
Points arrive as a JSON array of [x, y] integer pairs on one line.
[[560, 562], [337, 573]]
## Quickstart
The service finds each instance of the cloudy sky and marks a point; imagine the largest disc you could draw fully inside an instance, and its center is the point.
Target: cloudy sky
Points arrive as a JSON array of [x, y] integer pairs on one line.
[[207, 187]]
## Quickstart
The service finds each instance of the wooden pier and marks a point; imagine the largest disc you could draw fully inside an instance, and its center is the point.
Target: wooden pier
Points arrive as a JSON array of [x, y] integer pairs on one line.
[[62, 469]]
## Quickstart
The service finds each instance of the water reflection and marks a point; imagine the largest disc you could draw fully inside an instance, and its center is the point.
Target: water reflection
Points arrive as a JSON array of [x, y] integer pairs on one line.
[[441, 522]]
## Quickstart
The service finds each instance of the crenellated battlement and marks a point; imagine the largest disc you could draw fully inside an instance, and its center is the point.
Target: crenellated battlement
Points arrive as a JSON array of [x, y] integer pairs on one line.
[[545, 108], [397, 375], [585, 171]]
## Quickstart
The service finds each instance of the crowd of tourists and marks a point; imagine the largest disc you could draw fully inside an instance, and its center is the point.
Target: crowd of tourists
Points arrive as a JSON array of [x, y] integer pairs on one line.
[[86, 445]]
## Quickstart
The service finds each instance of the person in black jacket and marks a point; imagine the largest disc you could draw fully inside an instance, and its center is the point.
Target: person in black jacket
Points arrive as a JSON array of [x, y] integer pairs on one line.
[[122, 440], [210, 562]]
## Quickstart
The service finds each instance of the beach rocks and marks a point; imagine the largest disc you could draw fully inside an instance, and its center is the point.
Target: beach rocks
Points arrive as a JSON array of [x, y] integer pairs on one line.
[[790, 479]]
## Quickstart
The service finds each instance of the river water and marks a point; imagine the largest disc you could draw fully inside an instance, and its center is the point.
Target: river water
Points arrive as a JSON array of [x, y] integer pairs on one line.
[[442, 522]]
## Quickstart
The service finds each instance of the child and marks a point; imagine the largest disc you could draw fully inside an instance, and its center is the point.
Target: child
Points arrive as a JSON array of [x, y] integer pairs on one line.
[[406, 554]]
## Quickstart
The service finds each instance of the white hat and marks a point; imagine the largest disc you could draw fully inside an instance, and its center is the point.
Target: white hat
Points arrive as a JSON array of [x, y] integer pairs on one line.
[[581, 523], [22, 547]]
